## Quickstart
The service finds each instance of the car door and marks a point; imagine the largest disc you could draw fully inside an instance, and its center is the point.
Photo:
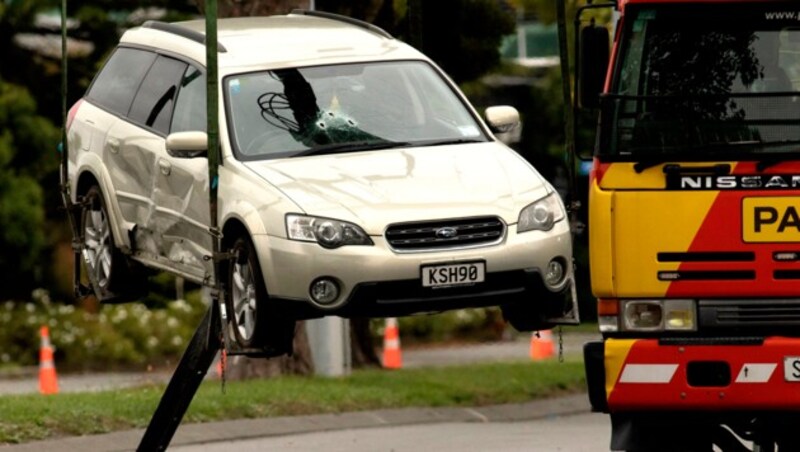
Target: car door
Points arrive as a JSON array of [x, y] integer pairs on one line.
[[181, 190], [160, 235]]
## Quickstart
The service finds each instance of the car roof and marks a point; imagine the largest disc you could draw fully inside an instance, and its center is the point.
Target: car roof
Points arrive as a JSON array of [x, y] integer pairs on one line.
[[252, 43]]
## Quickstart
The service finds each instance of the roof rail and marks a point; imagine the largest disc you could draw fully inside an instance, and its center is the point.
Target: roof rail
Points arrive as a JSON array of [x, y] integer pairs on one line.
[[359, 23], [176, 29]]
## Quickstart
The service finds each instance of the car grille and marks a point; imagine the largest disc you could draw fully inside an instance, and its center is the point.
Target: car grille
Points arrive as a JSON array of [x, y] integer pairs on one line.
[[445, 234]]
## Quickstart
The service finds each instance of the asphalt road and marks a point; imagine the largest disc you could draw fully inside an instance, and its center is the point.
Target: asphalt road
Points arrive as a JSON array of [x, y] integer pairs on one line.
[[496, 422], [574, 433]]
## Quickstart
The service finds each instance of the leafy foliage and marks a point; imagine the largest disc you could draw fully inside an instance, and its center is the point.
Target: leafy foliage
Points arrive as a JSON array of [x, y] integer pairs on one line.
[[118, 336], [467, 46], [25, 139]]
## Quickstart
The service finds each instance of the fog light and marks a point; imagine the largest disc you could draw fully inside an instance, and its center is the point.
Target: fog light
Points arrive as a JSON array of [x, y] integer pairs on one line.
[[555, 273], [679, 315], [324, 291], [643, 315], [607, 324]]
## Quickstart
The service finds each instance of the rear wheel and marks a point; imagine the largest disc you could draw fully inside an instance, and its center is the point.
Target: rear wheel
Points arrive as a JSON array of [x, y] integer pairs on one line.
[[255, 323], [109, 272]]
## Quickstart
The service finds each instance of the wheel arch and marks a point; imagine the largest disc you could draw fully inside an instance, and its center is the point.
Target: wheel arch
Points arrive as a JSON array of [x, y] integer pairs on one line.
[[86, 180], [233, 229]]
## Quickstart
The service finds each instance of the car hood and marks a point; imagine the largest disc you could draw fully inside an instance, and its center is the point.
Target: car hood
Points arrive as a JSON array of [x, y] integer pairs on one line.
[[376, 188]]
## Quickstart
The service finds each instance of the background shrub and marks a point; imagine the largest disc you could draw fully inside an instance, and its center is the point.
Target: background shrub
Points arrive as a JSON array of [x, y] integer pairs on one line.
[[117, 336]]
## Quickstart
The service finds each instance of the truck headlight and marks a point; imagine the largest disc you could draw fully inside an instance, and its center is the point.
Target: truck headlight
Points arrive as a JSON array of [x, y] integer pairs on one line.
[[329, 233], [542, 214], [659, 315]]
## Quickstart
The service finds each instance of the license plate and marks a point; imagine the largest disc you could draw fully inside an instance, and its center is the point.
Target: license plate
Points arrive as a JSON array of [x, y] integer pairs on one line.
[[791, 368], [772, 219], [453, 274]]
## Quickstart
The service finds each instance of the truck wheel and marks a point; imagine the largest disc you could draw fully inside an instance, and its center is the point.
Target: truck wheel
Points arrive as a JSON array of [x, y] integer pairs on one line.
[[254, 322]]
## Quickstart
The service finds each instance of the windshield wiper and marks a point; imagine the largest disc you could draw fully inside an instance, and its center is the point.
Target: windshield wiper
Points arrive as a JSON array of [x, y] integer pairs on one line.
[[765, 163], [648, 163], [714, 150], [449, 141], [351, 146]]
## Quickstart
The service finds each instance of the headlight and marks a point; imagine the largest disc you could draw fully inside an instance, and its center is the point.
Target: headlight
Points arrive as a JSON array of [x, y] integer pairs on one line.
[[659, 315], [542, 214], [325, 231]]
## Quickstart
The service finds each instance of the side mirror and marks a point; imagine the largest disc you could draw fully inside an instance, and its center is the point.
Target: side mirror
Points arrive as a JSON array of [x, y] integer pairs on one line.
[[187, 145], [594, 56], [502, 118]]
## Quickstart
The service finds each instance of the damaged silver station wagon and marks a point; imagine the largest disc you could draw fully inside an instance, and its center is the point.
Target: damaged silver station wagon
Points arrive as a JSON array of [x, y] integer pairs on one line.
[[355, 180]]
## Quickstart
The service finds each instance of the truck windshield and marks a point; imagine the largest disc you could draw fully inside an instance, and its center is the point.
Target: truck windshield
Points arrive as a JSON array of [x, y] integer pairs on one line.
[[700, 81]]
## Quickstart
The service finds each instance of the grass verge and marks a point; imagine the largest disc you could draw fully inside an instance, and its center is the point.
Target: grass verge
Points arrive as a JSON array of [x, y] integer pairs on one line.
[[32, 417]]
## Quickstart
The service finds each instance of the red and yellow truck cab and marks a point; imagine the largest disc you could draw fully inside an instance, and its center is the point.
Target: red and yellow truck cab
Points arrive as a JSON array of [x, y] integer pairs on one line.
[[694, 226]]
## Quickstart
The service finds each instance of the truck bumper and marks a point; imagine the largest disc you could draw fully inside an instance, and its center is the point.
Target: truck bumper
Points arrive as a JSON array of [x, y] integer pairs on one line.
[[711, 374]]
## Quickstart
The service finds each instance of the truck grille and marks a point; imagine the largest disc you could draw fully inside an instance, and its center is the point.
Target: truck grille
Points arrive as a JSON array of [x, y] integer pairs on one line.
[[445, 234], [749, 313]]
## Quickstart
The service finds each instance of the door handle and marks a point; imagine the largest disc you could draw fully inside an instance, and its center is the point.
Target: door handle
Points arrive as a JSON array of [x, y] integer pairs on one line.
[[113, 145], [165, 166]]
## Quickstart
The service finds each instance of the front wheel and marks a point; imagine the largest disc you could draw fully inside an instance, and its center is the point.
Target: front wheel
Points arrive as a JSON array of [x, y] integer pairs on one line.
[[255, 324], [525, 317]]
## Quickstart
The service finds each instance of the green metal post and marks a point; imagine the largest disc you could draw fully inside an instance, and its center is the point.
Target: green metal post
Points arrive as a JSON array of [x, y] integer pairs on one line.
[[64, 87], [71, 208], [207, 338], [415, 24], [212, 127], [64, 145], [569, 117]]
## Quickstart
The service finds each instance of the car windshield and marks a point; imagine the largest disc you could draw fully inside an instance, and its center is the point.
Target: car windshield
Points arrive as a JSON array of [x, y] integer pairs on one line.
[[344, 108], [696, 80]]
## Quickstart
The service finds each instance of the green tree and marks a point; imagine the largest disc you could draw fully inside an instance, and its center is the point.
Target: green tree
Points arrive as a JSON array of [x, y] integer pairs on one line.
[[31, 108], [25, 139], [462, 36]]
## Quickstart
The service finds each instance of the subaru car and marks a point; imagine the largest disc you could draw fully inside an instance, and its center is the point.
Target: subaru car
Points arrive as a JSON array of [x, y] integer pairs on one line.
[[355, 180]]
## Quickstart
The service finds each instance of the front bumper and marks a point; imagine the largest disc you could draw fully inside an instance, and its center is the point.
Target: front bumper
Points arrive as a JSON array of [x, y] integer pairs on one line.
[[374, 280], [725, 374]]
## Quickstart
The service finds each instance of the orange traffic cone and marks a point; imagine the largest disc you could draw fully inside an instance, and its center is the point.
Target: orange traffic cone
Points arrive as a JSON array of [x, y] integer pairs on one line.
[[48, 382], [392, 359], [542, 345]]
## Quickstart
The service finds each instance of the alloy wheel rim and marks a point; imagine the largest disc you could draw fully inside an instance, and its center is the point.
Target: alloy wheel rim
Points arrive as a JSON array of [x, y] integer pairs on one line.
[[97, 245], [244, 300]]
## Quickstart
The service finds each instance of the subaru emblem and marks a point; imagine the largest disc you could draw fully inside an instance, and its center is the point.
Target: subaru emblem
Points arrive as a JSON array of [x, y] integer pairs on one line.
[[446, 233]]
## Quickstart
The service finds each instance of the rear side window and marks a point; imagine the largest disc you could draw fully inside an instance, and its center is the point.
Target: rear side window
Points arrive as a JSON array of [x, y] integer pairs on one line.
[[116, 85], [153, 104]]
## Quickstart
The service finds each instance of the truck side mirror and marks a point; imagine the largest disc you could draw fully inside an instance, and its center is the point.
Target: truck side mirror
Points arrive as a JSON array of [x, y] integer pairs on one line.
[[594, 56]]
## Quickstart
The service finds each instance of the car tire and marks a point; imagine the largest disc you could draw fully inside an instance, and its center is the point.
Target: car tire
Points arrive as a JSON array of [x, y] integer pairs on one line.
[[256, 324], [112, 277]]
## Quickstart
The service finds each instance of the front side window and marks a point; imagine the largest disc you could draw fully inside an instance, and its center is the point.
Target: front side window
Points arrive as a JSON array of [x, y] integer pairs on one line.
[[696, 79], [340, 108], [116, 85], [190, 108]]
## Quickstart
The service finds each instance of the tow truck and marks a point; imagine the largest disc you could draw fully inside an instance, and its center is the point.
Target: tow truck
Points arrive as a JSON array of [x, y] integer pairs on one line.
[[694, 222]]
